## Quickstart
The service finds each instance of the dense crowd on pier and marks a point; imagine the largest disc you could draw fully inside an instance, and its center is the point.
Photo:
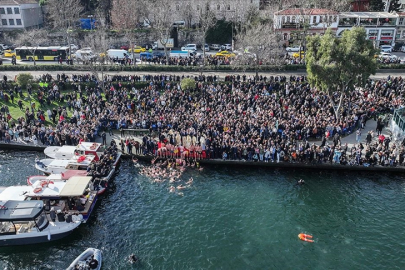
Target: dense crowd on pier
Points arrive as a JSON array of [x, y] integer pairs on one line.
[[239, 117]]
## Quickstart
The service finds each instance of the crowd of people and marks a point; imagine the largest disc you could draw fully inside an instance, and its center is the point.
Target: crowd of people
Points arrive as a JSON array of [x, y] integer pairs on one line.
[[237, 117]]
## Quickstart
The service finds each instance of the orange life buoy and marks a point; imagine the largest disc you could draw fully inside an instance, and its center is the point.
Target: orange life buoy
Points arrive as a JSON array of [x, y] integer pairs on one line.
[[93, 146], [50, 182], [44, 183], [38, 189]]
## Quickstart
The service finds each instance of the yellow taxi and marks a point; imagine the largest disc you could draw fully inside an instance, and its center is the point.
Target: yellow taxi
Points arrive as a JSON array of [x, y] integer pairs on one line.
[[225, 53], [299, 55], [9, 53], [137, 49]]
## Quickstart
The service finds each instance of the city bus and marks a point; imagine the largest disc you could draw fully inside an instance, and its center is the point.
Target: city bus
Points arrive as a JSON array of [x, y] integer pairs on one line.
[[42, 53]]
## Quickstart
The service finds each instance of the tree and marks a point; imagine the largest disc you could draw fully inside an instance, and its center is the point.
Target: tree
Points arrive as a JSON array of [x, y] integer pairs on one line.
[[335, 65], [187, 84], [258, 45], [376, 5], [126, 20], [395, 5], [64, 13], [161, 16], [32, 39], [23, 79], [206, 20]]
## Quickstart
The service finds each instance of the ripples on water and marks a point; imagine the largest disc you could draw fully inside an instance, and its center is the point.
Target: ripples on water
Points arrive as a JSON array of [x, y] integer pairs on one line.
[[231, 218]]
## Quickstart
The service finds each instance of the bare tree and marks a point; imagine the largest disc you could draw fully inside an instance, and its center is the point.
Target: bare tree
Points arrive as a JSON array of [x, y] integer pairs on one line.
[[161, 16], [64, 13], [32, 40], [206, 19], [125, 17], [258, 44]]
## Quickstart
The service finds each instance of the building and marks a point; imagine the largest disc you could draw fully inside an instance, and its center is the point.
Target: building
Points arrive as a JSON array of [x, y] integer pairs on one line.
[[19, 14], [400, 36], [360, 5], [380, 26], [294, 24]]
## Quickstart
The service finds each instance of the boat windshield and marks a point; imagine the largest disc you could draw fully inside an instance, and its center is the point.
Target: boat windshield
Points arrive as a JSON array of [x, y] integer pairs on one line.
[[41, 221]]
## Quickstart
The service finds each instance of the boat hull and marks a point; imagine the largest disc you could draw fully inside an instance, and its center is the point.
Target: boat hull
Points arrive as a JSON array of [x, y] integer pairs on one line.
[[35, 238]]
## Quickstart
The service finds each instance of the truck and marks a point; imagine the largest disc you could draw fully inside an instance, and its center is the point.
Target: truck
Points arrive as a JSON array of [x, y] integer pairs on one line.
[[157, 45]]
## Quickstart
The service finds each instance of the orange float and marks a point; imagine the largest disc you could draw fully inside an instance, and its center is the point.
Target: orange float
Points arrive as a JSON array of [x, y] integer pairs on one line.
[[305, 237]]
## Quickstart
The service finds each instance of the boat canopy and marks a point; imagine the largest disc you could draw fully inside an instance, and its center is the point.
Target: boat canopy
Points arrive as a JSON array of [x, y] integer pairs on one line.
[[60, 151], [75, 186], [20, 210]]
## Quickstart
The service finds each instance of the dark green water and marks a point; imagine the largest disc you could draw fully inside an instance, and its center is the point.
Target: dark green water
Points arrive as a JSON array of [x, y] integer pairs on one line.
[[231, 218]]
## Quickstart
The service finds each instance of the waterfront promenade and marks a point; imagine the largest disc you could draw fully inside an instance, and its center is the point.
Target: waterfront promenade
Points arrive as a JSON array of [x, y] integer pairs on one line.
[[350, 140]]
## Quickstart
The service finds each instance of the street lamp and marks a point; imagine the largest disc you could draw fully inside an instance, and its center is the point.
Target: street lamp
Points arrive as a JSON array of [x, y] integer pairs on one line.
[[91, 21], [70, 45]]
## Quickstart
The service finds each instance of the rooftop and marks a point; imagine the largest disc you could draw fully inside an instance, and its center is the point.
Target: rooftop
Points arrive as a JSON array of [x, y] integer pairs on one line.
[[17, 2], [367, 15], [305, 11]]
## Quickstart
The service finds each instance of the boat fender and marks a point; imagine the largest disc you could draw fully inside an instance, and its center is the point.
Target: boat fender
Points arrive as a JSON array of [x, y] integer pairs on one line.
[[49, 236]]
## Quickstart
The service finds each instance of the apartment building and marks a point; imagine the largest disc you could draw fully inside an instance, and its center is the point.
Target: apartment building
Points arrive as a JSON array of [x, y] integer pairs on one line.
[[293, 23], [19, 14]]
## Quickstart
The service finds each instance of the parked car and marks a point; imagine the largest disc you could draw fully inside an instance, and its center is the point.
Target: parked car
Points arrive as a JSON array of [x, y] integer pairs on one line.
[[205, 48], [299, 54], [137, 49], [226, 47], [386, 48], [385, 55], [215, 47], [158, 54], [9, 53], [124, 47], [189, 47], [73, 47], [293, 49], [4, 47], [225, 53]]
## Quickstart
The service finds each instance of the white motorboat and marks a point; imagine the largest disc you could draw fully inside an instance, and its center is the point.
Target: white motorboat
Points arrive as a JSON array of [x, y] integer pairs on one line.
[[73, 196], [56, 166], [98, 184], [90, 259], [68, 151], [26, 222], [82, 149]]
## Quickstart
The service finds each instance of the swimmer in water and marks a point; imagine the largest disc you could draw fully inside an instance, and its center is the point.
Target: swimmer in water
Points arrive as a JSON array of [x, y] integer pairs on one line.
[[132, 258], [189, 181], [172, 189], [300, 182]]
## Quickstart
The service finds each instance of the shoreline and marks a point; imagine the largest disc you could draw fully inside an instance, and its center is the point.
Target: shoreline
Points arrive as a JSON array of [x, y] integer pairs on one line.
[[231, 163]]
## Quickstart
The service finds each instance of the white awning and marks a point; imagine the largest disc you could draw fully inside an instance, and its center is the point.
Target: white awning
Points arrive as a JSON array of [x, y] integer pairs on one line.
[[75, 186]]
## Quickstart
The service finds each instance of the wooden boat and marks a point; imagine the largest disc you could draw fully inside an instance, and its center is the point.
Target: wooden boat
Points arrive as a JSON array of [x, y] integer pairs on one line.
[[90, 259]]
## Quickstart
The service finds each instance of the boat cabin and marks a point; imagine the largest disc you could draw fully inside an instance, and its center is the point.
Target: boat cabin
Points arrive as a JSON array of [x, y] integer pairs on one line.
[[18, 217], [73, 196]]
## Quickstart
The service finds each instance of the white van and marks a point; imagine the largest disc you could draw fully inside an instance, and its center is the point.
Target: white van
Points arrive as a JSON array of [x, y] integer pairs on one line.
[[118, 54]]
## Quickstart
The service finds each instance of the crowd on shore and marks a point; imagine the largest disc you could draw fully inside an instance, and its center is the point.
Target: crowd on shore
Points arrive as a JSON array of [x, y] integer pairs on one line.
[[242, 118]]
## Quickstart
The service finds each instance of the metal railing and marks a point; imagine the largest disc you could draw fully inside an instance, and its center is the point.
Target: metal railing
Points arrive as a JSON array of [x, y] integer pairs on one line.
[[399, 118]]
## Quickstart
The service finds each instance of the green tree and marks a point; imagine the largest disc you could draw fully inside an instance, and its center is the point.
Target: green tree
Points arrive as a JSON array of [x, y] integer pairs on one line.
[[23, 79], [395, 5], [376, 5], [336, 64], [187, 84]]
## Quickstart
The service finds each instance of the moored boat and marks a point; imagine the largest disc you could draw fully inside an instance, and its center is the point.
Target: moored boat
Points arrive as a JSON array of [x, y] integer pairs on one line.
[[26, 222], [68, 151], [73, 197], [55, 166], [90, 259]]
